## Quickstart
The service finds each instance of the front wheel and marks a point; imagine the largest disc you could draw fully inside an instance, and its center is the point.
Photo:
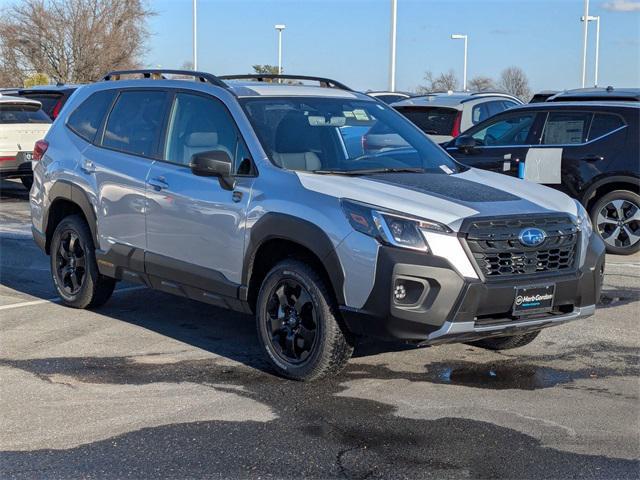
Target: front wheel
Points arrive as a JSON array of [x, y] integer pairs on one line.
[[74, 268], [298, 325], [616, 218]]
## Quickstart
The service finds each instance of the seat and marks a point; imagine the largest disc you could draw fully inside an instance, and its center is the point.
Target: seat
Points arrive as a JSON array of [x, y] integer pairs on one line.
[[292, 144], [197, 142]]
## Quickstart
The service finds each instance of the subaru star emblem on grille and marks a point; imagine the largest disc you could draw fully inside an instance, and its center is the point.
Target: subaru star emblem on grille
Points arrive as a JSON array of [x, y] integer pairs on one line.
[[532, 237]]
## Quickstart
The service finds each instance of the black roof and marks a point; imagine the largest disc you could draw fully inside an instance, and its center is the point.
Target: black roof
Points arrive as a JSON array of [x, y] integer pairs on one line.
[[598, 94]]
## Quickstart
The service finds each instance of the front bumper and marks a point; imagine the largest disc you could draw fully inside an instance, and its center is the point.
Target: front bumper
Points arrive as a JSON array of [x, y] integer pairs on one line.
[[450, 308]]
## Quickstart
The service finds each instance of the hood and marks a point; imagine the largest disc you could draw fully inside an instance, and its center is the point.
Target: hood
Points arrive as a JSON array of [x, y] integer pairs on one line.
[[444, 198]]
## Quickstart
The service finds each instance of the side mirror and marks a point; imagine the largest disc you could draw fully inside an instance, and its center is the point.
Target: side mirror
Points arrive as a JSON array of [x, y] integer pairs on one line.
[[213, 163], [464, 143]]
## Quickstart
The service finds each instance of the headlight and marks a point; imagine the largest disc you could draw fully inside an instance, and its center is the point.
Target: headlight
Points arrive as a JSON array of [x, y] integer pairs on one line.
[[584, 221], [586, 229], [389, 227]]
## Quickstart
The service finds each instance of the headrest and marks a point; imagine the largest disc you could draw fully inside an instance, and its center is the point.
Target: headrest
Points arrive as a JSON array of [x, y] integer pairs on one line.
[[202, 139], [293, 134]]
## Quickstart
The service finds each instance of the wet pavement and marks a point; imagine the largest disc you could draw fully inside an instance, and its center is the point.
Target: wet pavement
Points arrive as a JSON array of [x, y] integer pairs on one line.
[[152, 385]]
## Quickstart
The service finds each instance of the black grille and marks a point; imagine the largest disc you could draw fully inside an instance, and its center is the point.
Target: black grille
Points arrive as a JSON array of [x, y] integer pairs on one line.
[[498, 252]]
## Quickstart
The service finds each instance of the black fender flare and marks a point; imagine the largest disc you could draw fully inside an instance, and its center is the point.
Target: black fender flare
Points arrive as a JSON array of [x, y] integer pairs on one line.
[[588, 193], [64, 190], [287, 227]]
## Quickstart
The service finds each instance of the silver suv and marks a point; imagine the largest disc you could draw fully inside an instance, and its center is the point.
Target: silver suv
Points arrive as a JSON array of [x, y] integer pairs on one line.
[[258, 196]]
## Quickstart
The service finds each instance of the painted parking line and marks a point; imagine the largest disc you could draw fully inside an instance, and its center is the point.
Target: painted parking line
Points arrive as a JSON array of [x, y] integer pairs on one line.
[[57, 299]]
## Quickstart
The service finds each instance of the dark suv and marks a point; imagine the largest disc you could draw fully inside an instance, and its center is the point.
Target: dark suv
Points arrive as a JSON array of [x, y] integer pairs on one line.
[[588, 150], [52, 97]]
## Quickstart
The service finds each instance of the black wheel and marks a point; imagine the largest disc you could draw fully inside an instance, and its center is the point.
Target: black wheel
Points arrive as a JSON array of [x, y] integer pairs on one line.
[[27, 182], [73, 266], [506, 343], [616, 218], [298, 324]]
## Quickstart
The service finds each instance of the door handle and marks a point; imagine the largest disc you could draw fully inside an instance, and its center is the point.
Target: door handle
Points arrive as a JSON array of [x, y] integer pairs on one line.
[[593, 158], [158, 183], [88, 166]]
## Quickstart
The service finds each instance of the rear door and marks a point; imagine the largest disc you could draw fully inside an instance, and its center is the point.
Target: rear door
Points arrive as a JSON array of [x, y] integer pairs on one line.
[[502, 142], [119, 165], [195, 226]]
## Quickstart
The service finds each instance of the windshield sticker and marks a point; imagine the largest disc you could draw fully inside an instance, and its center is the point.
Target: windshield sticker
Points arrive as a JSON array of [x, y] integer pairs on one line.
[[446, 169], [361, 115]]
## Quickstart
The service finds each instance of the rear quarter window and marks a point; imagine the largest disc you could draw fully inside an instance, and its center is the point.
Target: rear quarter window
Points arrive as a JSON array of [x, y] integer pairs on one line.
[[16, 113], [604, 123], [87, 118]]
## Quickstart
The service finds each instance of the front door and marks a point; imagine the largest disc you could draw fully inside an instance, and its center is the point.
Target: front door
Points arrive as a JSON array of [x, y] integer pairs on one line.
[[501, 142], [195, 225]]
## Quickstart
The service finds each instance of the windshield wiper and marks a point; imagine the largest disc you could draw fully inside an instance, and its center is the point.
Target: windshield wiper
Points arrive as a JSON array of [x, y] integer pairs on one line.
[[368, 171]]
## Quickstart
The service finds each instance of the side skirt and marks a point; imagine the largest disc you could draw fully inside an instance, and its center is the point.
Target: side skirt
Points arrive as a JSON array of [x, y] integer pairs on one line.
[[162, 273]]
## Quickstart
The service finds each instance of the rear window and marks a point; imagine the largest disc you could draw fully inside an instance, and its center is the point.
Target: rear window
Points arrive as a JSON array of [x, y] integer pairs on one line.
[[10, 113], [604, 123], [48, 100], [431, 120], [135, 123], [87, 118]]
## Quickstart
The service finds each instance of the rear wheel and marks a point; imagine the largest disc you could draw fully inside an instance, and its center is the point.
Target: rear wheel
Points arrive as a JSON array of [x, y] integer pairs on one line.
[[298, 325], [27, 182], [74, 268], [616, 218], [506, 343]]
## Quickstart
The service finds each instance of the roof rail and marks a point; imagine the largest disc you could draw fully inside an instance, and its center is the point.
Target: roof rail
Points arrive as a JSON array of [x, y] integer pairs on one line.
[[260, 77], [150, 73]]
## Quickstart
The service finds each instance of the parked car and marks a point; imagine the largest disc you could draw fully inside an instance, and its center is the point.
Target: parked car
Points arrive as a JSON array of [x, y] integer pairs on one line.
[[258, 206], [389, 97], [597, 95], [543, 96], [443, 116], [588, 150], [52, 97], [22, 122]]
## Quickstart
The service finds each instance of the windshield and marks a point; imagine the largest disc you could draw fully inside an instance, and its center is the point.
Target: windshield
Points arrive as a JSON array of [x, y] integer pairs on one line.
[[329, 135], [431, 120]]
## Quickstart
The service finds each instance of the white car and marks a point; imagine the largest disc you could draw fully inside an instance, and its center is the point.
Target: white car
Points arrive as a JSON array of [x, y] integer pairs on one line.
[[22, 124], [443, 116]]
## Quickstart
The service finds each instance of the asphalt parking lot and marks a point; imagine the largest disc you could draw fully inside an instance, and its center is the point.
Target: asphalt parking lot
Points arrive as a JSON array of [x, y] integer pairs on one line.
[[152, 385]]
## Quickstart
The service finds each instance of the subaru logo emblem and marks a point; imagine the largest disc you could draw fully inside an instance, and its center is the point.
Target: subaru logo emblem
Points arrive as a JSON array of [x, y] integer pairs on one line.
[[532, 237]]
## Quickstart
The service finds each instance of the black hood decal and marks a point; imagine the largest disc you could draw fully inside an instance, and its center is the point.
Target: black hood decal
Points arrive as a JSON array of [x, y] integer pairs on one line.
[[444, 186]]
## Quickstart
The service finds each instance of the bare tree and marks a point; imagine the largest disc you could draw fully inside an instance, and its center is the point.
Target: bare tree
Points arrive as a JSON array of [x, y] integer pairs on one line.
[[513, 80], [71, 40], [442, 83], [481, 83]]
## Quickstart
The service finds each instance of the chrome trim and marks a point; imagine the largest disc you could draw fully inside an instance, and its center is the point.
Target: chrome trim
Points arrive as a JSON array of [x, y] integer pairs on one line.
[[455, 329]]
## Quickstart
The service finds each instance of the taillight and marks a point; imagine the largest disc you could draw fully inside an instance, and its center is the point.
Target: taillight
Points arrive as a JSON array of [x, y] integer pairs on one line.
[[8, 159], [56, 109], [39, 149], [455, 131]]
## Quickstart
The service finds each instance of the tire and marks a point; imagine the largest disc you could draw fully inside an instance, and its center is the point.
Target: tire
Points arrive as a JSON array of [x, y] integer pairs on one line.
[[286, 319], [616, 218], [73, 266], [506, 343], [27, 182]]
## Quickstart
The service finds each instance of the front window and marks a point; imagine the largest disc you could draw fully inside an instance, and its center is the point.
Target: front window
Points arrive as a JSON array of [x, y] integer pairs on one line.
[[328, 135], [510, 130]]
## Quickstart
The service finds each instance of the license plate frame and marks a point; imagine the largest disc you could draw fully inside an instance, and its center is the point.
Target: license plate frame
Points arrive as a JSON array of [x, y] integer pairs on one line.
[[533, 299]]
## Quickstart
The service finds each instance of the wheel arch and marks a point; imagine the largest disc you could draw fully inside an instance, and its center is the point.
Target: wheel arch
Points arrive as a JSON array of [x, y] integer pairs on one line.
[[68, 199], [607, 185], [276, 237]]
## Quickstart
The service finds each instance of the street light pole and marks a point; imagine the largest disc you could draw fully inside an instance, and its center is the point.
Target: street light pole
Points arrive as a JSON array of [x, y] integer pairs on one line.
[[280, 28], [597, 59], [392, 60], [195, 35], [457, 36], [584, 44]]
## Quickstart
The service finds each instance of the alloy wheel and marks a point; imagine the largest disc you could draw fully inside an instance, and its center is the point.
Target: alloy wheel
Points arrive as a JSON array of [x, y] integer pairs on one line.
[[70, 263], [292, 322], [619, 223]]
